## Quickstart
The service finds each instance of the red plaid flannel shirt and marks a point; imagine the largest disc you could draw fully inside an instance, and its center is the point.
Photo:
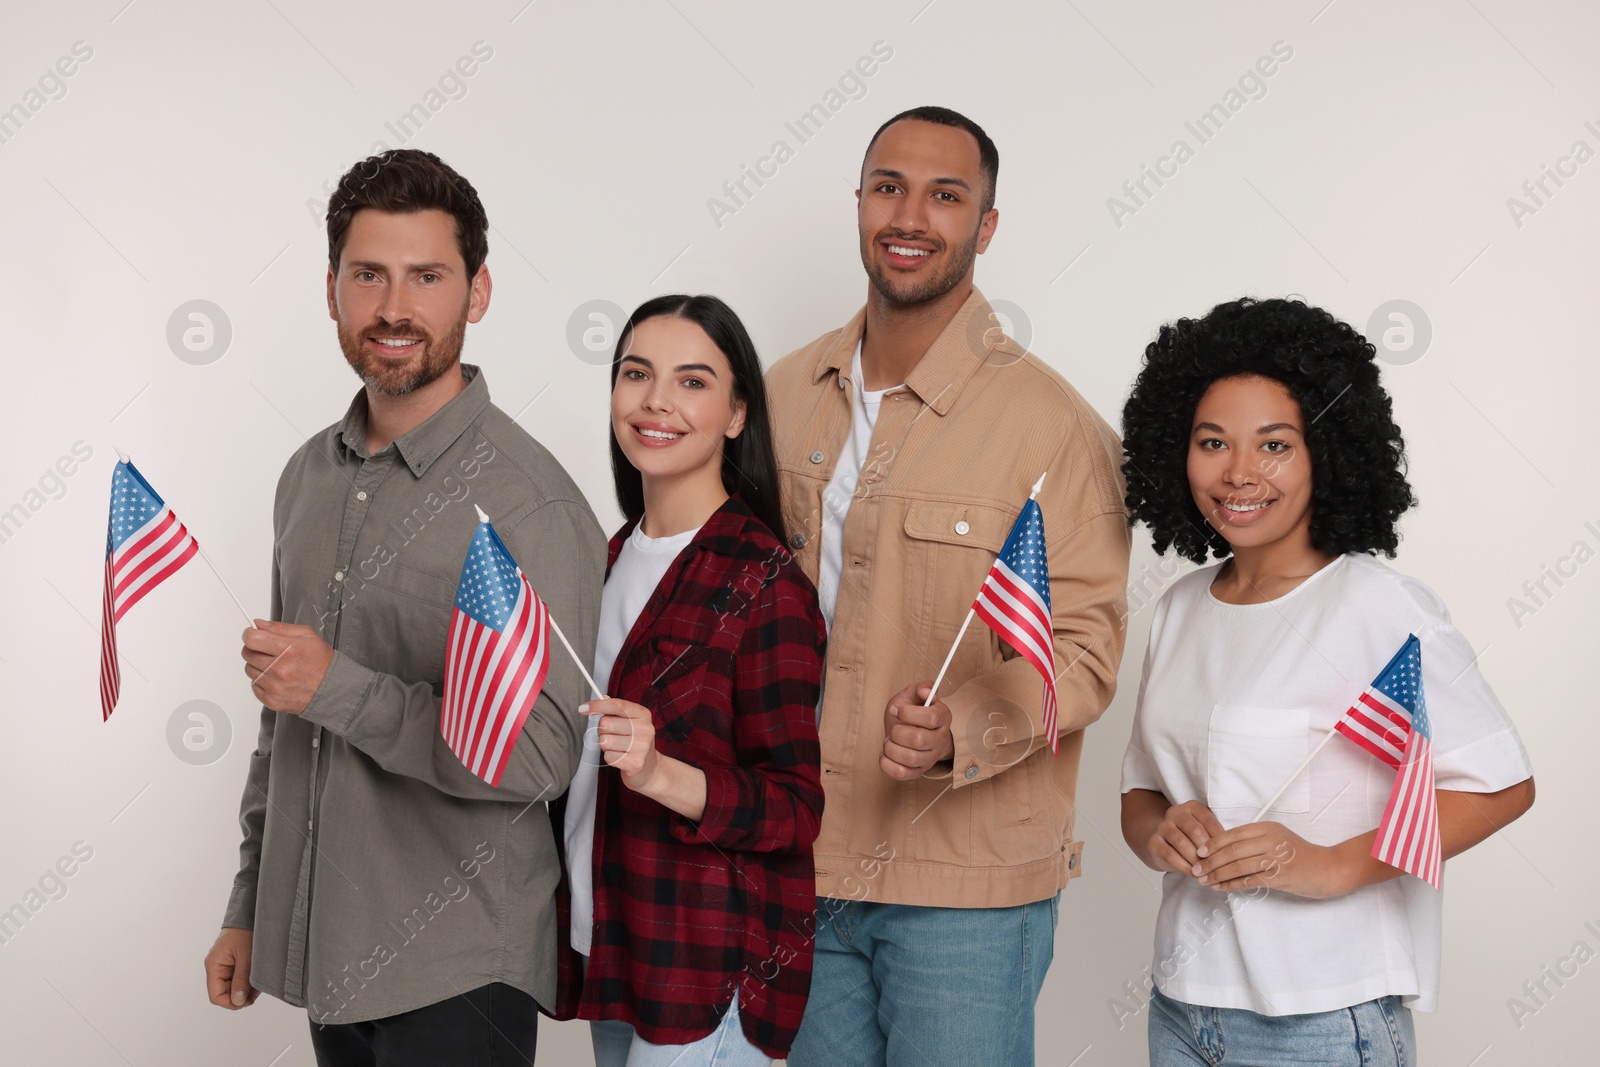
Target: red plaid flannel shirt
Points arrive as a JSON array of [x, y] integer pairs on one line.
[[728, 654]]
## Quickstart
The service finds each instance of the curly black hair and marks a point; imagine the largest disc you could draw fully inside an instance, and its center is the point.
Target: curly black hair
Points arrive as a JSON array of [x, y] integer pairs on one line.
[[1358, 464]]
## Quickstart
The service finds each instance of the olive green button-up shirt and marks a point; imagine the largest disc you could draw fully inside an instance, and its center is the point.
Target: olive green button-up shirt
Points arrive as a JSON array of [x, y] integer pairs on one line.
[[378, 873]]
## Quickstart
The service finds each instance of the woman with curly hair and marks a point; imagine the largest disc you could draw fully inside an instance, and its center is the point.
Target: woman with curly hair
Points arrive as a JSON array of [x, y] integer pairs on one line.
[[1261, 435]]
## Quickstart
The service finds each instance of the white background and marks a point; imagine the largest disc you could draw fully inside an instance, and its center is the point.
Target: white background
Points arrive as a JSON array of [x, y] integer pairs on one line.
[[179, 163]]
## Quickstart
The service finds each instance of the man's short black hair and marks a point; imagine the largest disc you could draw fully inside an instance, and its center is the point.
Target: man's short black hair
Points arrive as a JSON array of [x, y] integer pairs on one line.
[[988, 154]]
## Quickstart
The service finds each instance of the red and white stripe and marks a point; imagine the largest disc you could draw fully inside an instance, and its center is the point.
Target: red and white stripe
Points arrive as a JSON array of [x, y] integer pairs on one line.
[[146, 559], [1378, 725], [1012, 607], [110, 672], [491, 681], [1408, 835]]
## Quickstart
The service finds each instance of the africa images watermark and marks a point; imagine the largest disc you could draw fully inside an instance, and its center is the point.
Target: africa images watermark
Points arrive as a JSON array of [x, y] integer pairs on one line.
[[343, 588], [342, 989], [851, 85], [1137, 990], [51, 886], [1537, 192], [51, 485], [754, 979], [51, 85], [1252, 85], [1537, 992], [1537, 592]]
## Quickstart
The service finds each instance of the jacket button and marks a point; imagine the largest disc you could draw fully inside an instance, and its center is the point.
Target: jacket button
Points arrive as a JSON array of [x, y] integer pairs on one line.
[[972, 771], [962, 528], [816, 457], [840, 380], [798, 540]]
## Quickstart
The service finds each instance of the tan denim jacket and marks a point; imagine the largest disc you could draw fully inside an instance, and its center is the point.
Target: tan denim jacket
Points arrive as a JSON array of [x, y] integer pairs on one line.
[[953, 455]]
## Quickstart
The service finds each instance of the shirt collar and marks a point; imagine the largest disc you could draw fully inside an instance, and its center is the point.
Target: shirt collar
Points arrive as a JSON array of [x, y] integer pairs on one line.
[[722, 533], [939, 376], [426, 443]]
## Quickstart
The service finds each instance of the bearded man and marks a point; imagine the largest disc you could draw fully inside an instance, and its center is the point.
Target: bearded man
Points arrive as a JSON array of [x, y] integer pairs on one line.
[[407, 904]]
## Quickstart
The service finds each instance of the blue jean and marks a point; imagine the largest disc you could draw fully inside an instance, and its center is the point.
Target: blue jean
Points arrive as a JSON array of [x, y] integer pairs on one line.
[[617, 1044], [905, 986], [1377, 1033]]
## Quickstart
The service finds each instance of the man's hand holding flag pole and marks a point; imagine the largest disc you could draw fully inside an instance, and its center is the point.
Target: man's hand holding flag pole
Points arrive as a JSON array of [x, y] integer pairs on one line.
[[1014, 601]]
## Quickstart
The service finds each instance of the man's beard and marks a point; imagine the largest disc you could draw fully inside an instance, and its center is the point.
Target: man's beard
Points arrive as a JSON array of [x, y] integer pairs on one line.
[[397, 378], [919, 292]]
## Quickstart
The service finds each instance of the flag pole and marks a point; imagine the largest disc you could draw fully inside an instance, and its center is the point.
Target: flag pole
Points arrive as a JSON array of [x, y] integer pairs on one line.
[[1290, 780], [595, 689], [933, 689], [248, 618]]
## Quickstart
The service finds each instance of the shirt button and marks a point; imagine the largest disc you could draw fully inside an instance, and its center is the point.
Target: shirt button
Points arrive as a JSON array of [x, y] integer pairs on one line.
[[798, 540], [310, 825], [972, 771], [316, 742], [816, 457], [361, 495], [962, 528], [338, 576]]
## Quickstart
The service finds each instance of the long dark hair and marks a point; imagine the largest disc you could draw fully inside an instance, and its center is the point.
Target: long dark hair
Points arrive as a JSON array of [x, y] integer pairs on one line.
[[749, 467]]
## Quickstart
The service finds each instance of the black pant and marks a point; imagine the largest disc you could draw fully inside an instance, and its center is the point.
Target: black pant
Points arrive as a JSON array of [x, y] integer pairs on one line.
[[492, 1026]]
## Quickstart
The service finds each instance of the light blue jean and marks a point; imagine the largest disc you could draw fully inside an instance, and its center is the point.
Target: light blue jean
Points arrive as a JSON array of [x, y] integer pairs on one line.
[[616, 1044], [905, 986], [1377, 1033]]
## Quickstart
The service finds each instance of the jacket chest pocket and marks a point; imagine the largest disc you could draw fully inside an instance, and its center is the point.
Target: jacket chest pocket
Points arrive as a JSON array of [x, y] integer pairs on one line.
[[950, 546], [1251, 750]]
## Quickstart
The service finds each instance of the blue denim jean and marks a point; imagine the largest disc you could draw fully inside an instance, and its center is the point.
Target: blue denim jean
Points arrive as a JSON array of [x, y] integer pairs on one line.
[[618, 1044], [1377, 1033], [904, 986]]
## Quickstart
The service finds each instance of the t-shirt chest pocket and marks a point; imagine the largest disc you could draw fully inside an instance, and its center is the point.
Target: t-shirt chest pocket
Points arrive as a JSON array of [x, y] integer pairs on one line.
[[1250, 750]]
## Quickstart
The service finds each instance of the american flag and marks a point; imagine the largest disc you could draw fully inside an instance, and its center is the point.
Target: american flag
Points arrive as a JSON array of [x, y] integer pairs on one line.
[[145, 545], [1015, 602], [496, 660], [1390, 720]]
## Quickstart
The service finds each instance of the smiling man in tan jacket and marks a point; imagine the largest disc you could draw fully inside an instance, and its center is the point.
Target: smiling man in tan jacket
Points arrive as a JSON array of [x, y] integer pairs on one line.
[[908, 441]]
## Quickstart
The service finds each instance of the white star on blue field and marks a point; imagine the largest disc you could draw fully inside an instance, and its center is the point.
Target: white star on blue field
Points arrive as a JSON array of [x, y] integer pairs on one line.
[[132, 505], [489, 581]]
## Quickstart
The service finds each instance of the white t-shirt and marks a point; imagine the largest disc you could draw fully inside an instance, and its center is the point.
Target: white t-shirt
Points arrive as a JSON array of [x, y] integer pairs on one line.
[[1233, 698], [842, 487], [639, 568]]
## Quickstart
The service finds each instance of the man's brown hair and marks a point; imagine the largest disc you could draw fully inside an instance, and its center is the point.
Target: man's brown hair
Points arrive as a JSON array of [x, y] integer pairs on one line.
[[404, 180]]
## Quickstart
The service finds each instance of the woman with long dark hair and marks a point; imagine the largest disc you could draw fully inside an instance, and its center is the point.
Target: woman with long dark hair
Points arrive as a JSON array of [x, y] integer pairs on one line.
[[688, 828], [1261, 434]]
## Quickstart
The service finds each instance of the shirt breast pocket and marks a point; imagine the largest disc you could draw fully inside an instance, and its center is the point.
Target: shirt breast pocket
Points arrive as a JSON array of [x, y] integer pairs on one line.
[[675, 690], [1250, 750]]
